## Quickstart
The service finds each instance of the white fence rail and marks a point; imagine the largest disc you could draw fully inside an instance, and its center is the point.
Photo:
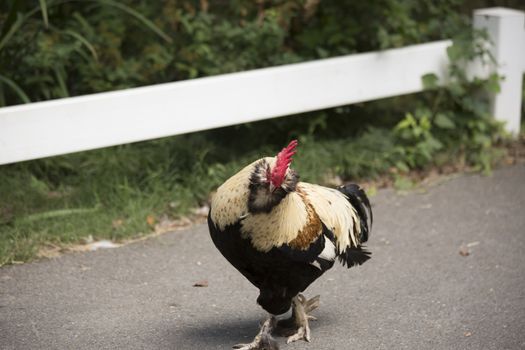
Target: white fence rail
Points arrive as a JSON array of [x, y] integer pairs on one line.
[[87, 122]]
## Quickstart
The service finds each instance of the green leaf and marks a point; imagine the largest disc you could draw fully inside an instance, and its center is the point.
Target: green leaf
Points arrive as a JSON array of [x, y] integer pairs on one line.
[[402, 166], [456, 89], [430, 81], [425, 150], [11, 26], [424, 123], [17, 89], [454, 52], [482, 140], [11, 18], [443, 121], [407, 122], [493, 83], [138, 16], [434, 143], [38, 185], [12, 30], [84, 41], [43, 8], [61, 79]]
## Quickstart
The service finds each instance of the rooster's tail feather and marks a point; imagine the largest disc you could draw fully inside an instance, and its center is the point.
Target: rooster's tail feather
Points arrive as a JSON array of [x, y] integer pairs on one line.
[[354, 256], [357, 197]]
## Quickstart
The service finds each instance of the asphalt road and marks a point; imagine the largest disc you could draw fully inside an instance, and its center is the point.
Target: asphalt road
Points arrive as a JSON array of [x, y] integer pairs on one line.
[[417, 291]]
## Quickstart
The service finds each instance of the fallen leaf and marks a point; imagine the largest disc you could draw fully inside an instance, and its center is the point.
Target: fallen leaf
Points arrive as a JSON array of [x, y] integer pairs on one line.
[[117, 223], [88, 239], [463, 251], [166, 225], [150, 219], [202, 283]]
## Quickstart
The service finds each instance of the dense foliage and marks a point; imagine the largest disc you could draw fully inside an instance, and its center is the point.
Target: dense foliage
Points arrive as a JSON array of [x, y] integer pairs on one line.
[[58, 48]]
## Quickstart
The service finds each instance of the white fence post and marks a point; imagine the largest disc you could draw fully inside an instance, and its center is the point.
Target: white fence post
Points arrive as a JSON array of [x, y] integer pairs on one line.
[[506, 29]]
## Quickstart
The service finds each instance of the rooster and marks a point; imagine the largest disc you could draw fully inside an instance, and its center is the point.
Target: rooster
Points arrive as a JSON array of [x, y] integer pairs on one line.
[[282, 235]]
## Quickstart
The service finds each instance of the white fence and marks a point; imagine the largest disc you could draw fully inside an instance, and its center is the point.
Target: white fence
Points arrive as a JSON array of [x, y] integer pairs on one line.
[[93, 121]]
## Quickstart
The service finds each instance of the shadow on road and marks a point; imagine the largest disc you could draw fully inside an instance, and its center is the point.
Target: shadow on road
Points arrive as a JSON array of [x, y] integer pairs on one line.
[[223, 332], [217, 331]]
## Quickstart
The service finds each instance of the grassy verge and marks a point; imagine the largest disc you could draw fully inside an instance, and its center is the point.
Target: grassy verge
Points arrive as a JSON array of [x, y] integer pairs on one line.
[[121, 193], [124, 192]]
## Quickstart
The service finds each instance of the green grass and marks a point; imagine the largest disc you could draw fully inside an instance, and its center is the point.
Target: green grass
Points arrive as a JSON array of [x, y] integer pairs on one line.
[[62, 200], [110, 193]]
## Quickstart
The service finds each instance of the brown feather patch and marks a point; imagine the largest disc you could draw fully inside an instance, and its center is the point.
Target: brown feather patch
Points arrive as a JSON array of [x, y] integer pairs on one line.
[[310, 231]]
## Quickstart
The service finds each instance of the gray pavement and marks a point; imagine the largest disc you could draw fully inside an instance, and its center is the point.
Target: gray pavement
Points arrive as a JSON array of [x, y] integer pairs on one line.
[[417, 291]]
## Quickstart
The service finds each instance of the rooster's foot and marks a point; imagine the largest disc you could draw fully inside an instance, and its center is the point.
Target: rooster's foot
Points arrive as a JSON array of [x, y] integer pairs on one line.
[[263, 340], [297, 327]]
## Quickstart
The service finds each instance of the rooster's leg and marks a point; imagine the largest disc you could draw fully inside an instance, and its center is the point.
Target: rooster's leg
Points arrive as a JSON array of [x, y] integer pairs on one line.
[[297, 327], [263, 340]]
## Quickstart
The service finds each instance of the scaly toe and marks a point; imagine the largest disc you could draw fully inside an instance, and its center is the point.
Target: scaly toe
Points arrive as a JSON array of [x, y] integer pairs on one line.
[[265, 342], [303, 333], [297, 327]]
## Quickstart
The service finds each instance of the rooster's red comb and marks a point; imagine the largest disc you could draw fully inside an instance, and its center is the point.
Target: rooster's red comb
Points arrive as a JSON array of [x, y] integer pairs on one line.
[[284, 158]]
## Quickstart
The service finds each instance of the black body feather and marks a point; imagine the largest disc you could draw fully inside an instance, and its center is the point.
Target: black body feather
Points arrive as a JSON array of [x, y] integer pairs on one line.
[[280, 274], [357, 197], [354, 256]]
